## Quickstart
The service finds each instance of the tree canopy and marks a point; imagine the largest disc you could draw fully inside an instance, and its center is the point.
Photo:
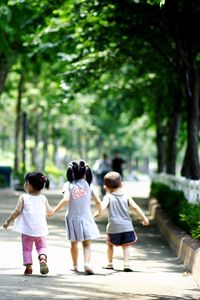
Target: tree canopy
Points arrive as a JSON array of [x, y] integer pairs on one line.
[[96, 76]]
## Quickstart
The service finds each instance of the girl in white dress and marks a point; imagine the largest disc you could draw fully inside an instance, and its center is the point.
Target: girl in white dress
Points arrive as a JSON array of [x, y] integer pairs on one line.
[[30, 220], [80, 224]]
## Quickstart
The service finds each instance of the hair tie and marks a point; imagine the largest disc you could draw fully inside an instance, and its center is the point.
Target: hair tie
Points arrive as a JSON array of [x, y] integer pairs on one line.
[[43, 178]]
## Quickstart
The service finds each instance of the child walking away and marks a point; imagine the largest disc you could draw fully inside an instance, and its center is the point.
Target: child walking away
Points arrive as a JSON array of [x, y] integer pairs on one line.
[[29, 219], [80, 224], [120, 231]]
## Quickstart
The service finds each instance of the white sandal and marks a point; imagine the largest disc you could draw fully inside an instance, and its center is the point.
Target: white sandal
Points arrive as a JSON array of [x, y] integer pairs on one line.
[[88, 270]]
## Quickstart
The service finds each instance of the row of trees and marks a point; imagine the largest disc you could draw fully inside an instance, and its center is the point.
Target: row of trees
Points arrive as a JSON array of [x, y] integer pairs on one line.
[[89, 68]]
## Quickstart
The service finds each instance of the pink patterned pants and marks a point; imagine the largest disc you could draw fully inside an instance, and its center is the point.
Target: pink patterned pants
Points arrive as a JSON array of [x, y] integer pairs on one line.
[[27, 246]]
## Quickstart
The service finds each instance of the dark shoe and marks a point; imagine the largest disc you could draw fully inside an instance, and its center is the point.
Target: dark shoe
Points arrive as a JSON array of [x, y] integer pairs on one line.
[[128, 270], [28, 271], [75, 269], [109, 267]]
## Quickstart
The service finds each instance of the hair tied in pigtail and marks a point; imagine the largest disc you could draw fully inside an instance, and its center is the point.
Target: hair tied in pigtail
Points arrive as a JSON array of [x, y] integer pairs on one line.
[[70, 171], [71, 165]]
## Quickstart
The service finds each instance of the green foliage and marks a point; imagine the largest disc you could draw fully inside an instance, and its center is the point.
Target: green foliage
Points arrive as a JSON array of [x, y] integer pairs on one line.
[[160, 2], [53, 171], [170, 200], [19, 181], [3, 183], [19, 177], [181, 212], [55, 175], [190, 218], [117, 53]]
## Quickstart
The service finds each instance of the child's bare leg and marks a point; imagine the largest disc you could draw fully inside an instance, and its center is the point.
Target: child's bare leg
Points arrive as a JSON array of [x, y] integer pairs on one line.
[[110, 251], [74, 254], [86, 251], [126, 254], [87, 256]]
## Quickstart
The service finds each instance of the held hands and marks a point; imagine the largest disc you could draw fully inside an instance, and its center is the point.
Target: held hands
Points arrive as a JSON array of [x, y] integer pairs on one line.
[[50, 213]]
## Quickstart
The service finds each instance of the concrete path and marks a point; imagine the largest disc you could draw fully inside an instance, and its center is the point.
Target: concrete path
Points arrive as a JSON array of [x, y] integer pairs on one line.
[[158, 274]]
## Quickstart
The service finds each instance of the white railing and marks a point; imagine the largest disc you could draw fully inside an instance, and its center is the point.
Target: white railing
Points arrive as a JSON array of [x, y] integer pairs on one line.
[[190, 188]]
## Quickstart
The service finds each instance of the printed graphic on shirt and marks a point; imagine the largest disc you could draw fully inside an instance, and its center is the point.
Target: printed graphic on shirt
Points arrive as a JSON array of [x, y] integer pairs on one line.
[[78, 192]]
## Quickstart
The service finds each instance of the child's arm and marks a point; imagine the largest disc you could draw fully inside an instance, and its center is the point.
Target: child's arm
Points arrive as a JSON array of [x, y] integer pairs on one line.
[[49, 210], [104, 205], [63, 202], [97, 202], [15, 213], [138, 210]]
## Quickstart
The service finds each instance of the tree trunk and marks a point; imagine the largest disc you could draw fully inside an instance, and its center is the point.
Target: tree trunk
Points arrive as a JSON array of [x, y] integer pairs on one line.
[[45, 147], [55, 145], [185, 170], [24, 137], [160, 150], [4, 67], [192, 92], [36, 157], [160, 140], [172, 135], [81, 144], [183, 34], [18, 126]]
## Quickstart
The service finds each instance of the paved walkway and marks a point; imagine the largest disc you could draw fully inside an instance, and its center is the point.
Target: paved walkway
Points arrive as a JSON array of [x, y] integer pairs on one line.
[[158, 274]]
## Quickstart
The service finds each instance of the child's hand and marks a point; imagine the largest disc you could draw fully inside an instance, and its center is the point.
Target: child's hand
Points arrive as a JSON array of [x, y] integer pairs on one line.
[[6, 225], [96, 214], [145, 222], [50, 213]]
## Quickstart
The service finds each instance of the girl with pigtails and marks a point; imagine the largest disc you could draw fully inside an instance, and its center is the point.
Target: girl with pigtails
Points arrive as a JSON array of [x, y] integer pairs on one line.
[[29, 219], [80, 224]]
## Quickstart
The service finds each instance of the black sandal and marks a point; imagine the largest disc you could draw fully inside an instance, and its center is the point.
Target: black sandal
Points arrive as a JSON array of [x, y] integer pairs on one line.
[[109, 267], [128, 269]]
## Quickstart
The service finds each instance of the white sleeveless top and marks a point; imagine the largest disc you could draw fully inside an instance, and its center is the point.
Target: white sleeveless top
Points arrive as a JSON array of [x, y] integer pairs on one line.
[[32, 220]]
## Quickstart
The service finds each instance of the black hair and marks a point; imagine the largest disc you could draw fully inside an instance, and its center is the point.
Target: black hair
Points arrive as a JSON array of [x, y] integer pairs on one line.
[[79, 169], [37, 180], [112, 180]]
